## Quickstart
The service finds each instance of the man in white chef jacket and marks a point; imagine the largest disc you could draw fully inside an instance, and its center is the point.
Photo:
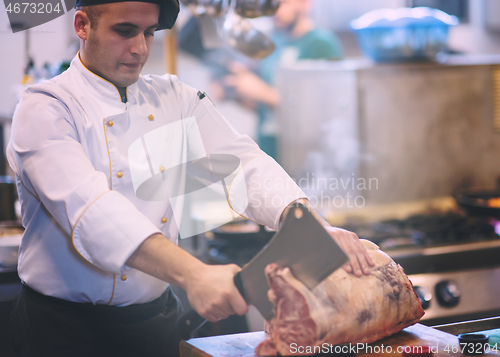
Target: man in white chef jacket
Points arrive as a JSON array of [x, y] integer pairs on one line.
[[95, 152]]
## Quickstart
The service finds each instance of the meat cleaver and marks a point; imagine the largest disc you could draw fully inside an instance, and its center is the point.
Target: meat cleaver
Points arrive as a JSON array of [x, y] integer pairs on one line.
[[302, 244]]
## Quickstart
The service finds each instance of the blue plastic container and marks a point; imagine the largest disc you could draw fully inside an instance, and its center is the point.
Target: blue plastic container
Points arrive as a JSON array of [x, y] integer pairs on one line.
[[404, 34]]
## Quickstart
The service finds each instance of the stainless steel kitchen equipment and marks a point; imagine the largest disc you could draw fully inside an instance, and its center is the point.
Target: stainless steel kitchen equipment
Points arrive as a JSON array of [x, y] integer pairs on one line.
[[210, 7], [417, 131], [225, 21], [245, 8], [256, 8], [243, 37], [459, 291]]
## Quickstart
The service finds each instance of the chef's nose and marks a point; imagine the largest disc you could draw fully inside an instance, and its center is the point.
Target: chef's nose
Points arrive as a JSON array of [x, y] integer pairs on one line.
[[139, 46]]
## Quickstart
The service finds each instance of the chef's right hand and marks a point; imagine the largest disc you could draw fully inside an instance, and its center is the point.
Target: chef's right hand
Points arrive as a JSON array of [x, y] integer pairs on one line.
[[212, 293]]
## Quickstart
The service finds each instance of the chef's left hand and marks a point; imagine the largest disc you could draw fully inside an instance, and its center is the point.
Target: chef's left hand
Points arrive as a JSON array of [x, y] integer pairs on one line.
[[359, 259]]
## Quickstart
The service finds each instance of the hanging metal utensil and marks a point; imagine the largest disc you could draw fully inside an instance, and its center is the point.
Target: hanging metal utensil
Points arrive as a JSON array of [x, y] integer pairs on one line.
[[208, 7], [233, 28], [246, 8], [239, 33], [256, 8]]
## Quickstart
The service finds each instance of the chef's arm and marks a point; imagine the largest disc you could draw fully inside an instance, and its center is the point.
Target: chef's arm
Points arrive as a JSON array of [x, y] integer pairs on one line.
[[359, 259], [210, 288]]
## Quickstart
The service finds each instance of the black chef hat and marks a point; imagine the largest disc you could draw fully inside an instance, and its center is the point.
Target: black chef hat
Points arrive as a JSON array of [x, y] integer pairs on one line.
[[169, 9]]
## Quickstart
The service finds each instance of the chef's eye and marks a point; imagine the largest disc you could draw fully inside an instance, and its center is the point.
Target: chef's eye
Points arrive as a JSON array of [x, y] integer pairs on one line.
[[124, 33], [150, 33]]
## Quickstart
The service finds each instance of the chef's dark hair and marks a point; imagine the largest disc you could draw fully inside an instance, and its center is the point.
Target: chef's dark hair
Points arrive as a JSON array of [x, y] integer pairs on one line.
[[92, 12], [169, 9]]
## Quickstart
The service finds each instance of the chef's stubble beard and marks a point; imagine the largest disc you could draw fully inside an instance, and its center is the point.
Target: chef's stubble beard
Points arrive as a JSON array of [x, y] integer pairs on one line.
[[93, 47]]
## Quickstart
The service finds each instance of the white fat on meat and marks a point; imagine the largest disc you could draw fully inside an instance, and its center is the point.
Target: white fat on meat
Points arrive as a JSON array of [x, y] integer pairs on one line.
[[341, 309]]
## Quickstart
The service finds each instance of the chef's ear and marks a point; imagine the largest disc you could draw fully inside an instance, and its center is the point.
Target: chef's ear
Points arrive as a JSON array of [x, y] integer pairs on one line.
[[82, 25]]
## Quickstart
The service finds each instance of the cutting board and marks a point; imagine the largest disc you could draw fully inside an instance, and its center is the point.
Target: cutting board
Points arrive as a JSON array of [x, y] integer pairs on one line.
[[443, 344], [243, 344]]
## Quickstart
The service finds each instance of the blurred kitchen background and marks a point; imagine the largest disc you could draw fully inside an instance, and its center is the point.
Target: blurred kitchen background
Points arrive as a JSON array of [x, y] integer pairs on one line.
[[339, 119], [383, 148]]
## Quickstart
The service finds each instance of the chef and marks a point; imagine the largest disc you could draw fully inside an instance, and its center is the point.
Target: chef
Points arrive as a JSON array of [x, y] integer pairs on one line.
[[93, 150]]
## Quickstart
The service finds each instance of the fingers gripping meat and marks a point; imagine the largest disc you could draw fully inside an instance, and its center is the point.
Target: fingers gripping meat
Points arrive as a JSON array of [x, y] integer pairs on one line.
[[341, 309]]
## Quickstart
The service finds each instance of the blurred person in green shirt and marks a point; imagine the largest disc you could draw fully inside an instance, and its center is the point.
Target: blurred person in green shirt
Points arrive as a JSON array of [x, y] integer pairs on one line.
[[296, 38]]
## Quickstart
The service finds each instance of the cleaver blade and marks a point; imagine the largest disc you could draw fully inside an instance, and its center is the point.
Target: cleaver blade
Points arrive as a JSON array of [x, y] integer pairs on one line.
[[303, 245]]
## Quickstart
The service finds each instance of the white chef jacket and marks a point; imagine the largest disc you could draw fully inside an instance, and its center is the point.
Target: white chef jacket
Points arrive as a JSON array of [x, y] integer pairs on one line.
[[70, 146]]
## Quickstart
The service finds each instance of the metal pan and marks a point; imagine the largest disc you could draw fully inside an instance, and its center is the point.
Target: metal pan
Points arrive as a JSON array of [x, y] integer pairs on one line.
[[243, 233], [475, 201]]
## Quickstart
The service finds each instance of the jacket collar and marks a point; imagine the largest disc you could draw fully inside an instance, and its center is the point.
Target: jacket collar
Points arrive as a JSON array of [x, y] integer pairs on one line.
[[104, 88]]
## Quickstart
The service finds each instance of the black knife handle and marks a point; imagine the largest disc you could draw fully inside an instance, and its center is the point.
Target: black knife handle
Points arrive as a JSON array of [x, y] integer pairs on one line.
[[188, 323], [239, 284]]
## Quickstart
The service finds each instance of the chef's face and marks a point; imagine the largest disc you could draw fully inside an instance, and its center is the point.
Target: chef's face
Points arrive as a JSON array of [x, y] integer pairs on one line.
[[288, 13], [118, 45]]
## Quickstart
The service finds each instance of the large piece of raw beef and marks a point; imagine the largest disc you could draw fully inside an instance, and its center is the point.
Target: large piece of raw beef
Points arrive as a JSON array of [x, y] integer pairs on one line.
[[341, 309]]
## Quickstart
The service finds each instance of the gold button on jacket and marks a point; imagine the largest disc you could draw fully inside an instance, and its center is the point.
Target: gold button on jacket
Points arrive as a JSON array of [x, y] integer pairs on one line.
[[119, 175], [151, 117], [110, 123], [123, 277], [163, 220]]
